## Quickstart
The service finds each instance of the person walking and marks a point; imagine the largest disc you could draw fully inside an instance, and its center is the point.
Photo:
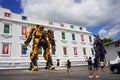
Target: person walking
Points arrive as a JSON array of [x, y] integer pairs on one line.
[[68, 65], [90, 67], [96, 64], [102, 65]]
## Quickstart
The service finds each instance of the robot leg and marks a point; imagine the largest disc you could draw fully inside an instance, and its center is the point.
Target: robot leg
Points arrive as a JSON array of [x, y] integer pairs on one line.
[[33, 63], [49, 63]]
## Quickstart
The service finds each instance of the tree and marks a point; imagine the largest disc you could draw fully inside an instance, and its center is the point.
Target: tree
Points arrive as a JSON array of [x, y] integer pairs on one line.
[[107, 40]]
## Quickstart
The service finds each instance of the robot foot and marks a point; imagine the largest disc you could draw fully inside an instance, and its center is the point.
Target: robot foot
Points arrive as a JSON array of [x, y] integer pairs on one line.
[[35, 68], [52, 67]]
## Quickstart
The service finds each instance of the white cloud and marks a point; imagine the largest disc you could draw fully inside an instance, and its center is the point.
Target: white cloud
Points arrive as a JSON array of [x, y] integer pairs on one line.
[[102, 33], [84, 12], [113, 31], [109, 31]]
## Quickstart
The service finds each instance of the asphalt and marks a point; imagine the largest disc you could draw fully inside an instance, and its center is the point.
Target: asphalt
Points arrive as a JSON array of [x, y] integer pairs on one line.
[[78, 73]]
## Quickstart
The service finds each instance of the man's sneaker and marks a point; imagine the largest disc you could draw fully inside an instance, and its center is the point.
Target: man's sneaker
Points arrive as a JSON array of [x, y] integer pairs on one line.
[[97, 76], [90, 76]]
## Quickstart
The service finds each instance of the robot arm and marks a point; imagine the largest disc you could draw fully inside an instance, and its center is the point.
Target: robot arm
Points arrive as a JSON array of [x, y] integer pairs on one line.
[[51, 39], [29, 36]]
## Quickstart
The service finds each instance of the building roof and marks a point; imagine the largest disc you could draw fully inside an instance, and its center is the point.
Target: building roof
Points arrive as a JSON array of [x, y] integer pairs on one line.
[[117, 41]]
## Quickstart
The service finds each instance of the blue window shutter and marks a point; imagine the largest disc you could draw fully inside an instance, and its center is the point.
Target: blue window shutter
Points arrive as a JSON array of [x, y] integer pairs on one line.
[[24, 18]]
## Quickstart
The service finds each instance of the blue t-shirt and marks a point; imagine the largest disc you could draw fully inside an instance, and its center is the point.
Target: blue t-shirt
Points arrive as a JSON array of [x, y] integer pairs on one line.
[[68, 64], [89, 62]]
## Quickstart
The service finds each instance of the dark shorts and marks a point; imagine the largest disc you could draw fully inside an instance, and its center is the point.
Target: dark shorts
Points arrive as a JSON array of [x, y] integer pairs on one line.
[[90, 68], [68, 66], [95, 66]]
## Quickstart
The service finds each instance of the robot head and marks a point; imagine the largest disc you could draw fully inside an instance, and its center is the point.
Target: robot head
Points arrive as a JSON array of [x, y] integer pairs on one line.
[[37, 26], [41, 27]]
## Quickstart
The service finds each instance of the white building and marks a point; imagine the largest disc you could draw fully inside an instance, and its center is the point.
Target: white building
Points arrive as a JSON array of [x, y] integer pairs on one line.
[[113, 50], [72, 42]]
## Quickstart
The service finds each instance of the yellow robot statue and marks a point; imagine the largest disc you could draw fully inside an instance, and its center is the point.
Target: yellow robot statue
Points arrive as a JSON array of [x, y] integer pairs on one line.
[[41, 39]]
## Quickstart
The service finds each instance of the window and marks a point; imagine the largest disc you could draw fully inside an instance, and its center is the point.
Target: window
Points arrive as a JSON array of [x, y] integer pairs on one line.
[[24, 51], [7, 14], [63, 35], [62, 25], [65, 50], [6, 49], [40, 51], [71, 26], [92, 50], [82, 37], [6, 28], [24, 18], [90, 39], [84, 51], [80, 28], [75, 51], [50, 22], [24, 30], [53, 52], [73, 36]]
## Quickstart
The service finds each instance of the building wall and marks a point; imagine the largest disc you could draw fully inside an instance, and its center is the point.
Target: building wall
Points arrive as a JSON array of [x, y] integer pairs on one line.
[[15, 39], [112, 51]]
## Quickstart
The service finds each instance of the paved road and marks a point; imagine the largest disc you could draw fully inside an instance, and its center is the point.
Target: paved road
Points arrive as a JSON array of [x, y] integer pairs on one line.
[[78, 73]]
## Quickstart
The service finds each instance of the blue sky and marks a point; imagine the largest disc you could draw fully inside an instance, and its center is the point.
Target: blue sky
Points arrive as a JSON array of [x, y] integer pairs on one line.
[[96, 15], [13, 5]]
